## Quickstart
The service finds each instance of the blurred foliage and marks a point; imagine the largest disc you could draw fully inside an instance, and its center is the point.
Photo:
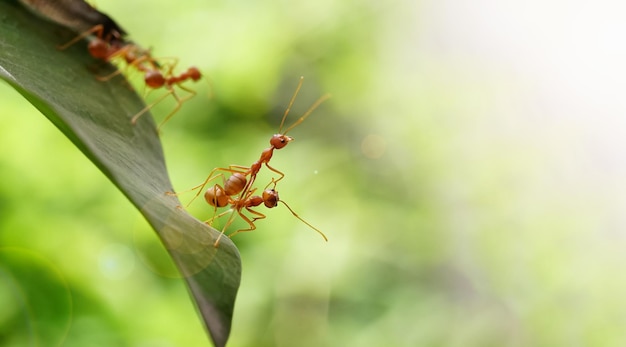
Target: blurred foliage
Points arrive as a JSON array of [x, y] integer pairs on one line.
[[452, 218]]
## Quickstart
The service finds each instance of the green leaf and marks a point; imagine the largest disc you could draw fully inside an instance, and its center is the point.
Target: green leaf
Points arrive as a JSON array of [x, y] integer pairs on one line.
[[95, 116]]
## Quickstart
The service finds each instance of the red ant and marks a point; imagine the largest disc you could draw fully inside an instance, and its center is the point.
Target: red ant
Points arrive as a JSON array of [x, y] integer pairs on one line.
[[216, 196], [237, 182]]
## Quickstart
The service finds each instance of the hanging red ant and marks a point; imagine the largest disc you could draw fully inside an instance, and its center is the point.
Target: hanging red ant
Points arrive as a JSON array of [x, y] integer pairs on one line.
[[237, 183], [216, 196]]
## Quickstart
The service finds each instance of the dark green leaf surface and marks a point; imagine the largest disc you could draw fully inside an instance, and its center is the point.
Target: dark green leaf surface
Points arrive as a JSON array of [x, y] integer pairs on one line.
[[95, 116]]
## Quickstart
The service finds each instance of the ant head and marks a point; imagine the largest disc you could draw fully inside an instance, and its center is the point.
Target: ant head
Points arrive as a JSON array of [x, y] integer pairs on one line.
[[154, 79], [270, 198], [279, 141], [98, 48], [194, 73]]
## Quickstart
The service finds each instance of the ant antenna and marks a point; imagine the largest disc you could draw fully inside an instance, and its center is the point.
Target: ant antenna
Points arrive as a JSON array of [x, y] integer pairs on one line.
[[303, 221], [293, 98], [270, 198], [309, 111], [306, 114]]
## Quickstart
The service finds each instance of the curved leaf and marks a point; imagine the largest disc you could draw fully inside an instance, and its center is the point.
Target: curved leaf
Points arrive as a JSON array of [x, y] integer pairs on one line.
[[95, 116]]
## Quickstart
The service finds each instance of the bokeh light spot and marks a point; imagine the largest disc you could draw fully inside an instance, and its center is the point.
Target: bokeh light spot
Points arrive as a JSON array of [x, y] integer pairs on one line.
[[116, 261], [373, 146]]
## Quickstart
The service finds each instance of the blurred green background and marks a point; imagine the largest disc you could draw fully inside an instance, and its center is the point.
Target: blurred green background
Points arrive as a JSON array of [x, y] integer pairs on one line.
[[468, 173]]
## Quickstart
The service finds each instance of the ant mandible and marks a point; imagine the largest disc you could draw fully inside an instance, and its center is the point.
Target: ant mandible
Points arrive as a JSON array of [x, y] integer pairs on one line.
[[216, 196], [238, 183]]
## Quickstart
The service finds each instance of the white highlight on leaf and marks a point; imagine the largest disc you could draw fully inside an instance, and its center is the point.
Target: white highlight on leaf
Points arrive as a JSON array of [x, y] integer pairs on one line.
[[6, 73]]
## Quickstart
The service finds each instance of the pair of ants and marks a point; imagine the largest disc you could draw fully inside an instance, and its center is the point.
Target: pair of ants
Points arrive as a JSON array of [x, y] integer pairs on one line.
[[237, 190], [107, 44]]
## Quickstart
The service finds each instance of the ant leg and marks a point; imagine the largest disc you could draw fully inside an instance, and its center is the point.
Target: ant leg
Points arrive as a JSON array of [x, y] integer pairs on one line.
[[232, 169], [170, 91], [201, 186], [148, 107], [247, 187], [171, 66], [237, 207], [250, 222], [273, 181], [228, 223], [119, 53], [282, 175], [234, 207], [217, 216], [96, 30], [179, 104], [167, 67], [111, 75]]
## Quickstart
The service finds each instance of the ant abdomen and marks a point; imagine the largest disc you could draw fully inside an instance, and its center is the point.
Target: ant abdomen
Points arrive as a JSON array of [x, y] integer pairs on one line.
[[235, 184], [216, 197]]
